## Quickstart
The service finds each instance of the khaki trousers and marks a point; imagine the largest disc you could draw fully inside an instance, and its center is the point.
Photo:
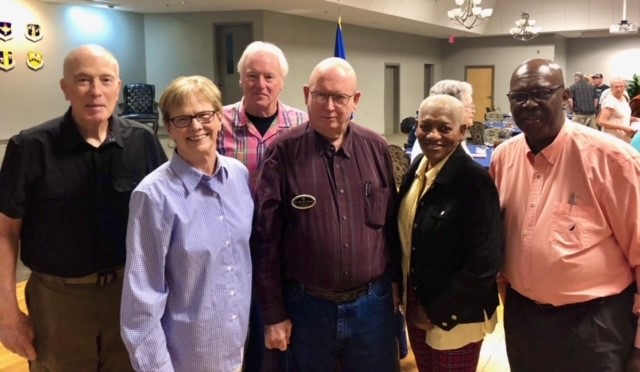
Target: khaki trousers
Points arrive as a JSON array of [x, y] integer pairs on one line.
[[588, 120], [77, 326]]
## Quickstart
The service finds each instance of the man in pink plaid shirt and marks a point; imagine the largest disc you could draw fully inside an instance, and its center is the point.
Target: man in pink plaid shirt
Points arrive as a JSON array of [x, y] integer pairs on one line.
[[248, 126]]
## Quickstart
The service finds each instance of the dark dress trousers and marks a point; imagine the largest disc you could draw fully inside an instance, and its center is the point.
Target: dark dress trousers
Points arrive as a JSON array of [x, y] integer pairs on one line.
[[457, 243]]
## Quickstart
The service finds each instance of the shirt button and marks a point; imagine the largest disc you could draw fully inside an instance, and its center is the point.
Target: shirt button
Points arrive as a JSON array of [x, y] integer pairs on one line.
[[344, 218], [221, 218], [444, 324], [337, 166], [346, 245], [442, 213], [234, 317], [227, 243], [232, 293], [229, 268], [413, 248], [341, 191], [454, 317], [345, 273], [531, 205], [415, 288], [415, 225]]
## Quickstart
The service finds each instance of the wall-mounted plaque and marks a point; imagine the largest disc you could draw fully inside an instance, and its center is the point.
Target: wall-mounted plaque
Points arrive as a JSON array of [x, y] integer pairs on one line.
[[6, 32], [35, 60], [6, 60], [33, 32]]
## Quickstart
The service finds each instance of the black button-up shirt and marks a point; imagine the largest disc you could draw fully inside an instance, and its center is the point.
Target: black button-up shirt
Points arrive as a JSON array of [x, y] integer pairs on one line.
[[73, 198]]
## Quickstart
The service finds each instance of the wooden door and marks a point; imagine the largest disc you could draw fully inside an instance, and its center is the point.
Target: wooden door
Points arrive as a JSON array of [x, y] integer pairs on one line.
[[481, 78]]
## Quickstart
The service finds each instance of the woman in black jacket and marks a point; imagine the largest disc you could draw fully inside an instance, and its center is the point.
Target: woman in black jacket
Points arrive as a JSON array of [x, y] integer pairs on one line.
[[451, 233]]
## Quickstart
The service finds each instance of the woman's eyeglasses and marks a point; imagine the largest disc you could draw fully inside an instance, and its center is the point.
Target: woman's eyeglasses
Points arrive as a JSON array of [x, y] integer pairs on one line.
[[183, 121]]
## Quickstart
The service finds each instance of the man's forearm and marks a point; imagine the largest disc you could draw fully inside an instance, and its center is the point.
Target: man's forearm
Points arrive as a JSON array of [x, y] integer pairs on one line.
[[9, 235]]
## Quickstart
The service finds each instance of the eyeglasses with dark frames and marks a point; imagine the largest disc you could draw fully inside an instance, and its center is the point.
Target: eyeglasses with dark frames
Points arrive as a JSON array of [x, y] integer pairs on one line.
[[183, 121], [538, 95], [338, 99]]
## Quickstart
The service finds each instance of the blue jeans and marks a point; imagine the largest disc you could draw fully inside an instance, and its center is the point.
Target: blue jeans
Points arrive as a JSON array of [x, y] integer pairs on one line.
[[359, 335]]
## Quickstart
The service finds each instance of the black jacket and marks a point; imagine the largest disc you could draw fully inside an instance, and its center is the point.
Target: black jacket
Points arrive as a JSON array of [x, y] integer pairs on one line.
[[457, 246]]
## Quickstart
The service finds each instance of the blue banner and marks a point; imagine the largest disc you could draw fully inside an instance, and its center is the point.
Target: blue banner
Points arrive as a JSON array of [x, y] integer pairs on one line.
[[338, 50]]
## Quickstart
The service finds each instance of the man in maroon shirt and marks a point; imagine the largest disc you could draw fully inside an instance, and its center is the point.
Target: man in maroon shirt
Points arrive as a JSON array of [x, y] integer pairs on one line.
[[325, 242]]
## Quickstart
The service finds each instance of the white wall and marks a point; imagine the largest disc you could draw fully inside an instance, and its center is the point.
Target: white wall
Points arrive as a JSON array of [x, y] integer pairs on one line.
[[30, 97], [560, 56]]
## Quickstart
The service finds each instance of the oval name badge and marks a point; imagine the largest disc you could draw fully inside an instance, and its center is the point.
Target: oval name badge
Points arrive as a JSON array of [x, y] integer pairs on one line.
[[303, 201]]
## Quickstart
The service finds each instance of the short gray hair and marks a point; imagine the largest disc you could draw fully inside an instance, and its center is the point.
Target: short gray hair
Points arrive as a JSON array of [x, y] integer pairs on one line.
[[618, 79], [446, 102], [261, 46], [454, 88]]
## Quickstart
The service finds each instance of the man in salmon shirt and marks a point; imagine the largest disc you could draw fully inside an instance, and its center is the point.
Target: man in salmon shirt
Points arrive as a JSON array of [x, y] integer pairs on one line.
[[570, 197]]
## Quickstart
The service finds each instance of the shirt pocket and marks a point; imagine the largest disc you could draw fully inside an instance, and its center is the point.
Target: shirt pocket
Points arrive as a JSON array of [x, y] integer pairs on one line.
[[572, 226], [376, 207], [125, 184]]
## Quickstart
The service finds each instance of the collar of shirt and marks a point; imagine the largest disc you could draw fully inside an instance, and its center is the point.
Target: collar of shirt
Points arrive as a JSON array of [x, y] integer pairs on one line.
[[439, 173], [71, 136], [191, 177], [430, 174], [552, 152], [243, 120], [324, 147]]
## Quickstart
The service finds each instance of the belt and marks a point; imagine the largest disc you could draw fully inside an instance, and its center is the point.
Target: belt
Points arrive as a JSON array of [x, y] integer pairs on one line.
[[576, 305], [339, 297], [99, 279]]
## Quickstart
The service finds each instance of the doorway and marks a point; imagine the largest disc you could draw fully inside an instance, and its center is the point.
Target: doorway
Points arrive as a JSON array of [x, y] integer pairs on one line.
[[391, 99], [428, 79], [230, 40], [481, 79]]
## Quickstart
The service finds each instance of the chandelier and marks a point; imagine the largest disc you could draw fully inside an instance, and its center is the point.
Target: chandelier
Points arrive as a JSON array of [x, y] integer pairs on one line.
[[469, 13], [525, 29]]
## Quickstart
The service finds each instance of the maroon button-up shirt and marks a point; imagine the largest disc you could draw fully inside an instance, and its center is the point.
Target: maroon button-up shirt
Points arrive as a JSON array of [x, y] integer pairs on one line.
[[324, 218]]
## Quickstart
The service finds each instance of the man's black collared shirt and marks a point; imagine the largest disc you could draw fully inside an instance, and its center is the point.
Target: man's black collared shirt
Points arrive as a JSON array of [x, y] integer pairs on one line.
[[72, 197]]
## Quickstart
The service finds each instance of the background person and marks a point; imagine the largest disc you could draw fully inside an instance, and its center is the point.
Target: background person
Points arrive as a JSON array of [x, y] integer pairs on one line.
[[64, 196], [185, 304], [615, 114], [248, 127], [324, 238], [451, 234], [582, 100], [571, 202], [599, 86]]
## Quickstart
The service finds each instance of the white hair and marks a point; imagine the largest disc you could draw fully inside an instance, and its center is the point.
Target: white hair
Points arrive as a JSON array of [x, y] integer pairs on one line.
[[261, 46]]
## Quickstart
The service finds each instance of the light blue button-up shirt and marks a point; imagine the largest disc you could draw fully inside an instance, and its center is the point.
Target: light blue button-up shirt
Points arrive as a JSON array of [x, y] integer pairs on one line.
[[187, 285]]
